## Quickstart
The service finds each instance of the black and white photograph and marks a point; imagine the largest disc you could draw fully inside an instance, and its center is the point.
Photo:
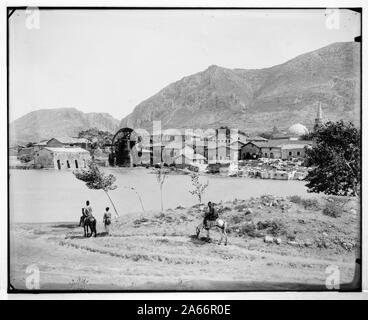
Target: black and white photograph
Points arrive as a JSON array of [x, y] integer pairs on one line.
[[184, 149]]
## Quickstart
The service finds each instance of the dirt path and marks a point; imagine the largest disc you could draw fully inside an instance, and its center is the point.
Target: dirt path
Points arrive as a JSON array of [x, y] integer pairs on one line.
[[133, 261]]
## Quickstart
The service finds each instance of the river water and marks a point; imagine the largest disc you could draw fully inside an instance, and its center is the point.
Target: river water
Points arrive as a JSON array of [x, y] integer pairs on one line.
[[51, 196]]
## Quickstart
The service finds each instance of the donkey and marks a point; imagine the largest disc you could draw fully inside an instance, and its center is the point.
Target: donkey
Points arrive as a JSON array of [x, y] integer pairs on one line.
[[91, 223], [218, 223]]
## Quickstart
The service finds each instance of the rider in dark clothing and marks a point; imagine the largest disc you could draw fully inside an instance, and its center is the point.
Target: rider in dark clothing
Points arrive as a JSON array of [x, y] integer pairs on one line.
[[210, 215]]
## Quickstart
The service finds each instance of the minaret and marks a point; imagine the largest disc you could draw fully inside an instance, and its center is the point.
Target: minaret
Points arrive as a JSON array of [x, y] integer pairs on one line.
[[319, 118]]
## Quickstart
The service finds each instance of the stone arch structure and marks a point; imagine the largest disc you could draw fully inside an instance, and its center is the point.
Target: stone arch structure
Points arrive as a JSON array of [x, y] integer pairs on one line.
[[121, 146]]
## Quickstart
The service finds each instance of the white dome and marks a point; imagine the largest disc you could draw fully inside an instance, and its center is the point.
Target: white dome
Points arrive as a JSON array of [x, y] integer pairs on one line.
[[298, 130]]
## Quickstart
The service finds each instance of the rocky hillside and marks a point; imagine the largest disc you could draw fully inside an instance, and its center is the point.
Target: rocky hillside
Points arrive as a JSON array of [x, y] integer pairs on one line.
[[257, 100], [46, 123]]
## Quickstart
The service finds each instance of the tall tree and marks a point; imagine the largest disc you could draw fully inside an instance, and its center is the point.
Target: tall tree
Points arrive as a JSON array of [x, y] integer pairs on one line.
[[98, 137], [335, 159], [97, 180]]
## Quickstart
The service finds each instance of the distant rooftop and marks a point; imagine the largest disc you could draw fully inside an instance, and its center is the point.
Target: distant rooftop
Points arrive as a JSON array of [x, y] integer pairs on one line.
[[64, 140], [257, 138], [280, 143], [67, 150], [70, 140], [293, 146]]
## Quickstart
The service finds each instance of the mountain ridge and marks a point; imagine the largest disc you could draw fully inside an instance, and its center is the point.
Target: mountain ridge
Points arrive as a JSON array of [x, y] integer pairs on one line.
[[252, 100], [255, 100], [66, 121]]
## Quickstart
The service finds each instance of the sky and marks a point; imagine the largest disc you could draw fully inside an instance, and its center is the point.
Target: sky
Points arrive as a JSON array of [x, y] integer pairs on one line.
[[111, 60]]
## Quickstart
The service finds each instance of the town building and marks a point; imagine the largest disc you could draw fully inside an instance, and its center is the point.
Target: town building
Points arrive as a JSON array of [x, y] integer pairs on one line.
[[292, 151], [223, 152], [295, 132], [298, 131], [142, 156], [188, 157], [275, 149], [60, 142], [61, 158], [256, 139], [166, 145], [223, 146], [172, 150], [52, 143], [271, 149], [251, 150]]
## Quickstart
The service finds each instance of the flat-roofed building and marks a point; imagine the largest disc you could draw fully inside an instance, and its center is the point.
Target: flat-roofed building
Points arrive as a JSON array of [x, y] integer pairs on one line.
[[60, 142], [275, 149], [61, 158], [292, 151]]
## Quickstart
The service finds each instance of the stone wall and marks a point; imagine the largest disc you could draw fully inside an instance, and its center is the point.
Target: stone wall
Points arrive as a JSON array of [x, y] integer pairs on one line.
[[45, 158]]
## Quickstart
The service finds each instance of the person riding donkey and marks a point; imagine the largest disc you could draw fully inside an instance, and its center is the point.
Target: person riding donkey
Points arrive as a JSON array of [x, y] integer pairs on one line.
[[212, 220], [87, 220], [86, 213], [210, 216]]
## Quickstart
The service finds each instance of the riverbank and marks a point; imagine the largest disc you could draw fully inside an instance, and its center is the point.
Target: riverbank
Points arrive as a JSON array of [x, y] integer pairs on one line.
[[158, 251], [264, 168], [59, 196]]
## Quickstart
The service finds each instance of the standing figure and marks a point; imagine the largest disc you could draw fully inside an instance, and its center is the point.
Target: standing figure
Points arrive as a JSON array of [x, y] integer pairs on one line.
[[107, 220]]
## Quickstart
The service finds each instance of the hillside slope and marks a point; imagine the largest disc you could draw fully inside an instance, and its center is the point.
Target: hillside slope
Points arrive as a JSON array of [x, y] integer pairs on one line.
[[257, 100], [47, 123]]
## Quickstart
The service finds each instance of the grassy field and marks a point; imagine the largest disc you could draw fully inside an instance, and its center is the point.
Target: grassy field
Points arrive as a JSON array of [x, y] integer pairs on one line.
[[159, 251]]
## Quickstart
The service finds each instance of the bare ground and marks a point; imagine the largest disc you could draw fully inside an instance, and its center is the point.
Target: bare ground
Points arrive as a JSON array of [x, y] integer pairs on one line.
[[158, 251]]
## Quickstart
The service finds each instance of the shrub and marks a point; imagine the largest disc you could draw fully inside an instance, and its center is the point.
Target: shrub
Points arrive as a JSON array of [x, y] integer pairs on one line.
[[241, 207], [295, 199], [25, 158], [276, 227], [334, 207], [311, 204], [141, 220], [248, 229], [236, 219], [80, 283], [291, 236], [223, 209]]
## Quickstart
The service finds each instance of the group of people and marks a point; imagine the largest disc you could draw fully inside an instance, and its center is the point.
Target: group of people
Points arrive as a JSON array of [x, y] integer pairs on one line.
[[87, 214], [210, 216]]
